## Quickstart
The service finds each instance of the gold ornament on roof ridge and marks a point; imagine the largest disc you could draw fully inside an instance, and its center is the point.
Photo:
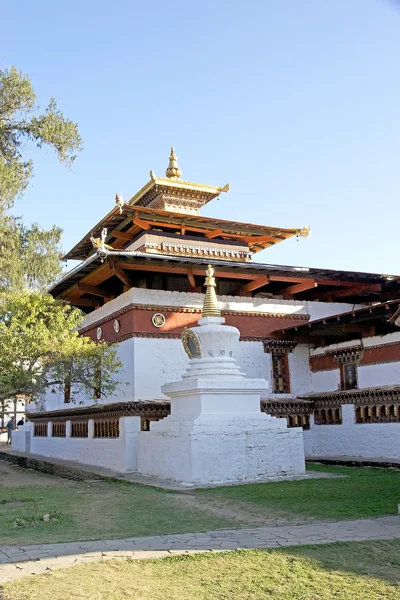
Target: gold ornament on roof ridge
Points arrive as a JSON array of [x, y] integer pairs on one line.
[[304, 232], [210, 306], [173, 170]]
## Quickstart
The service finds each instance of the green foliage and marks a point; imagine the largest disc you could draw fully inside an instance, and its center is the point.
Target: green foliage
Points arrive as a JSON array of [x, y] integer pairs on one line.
[[19, 123], [29, 256], [40, 349]]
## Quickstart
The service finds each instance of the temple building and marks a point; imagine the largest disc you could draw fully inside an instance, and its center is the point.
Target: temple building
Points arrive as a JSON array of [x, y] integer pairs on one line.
[[326, 340]]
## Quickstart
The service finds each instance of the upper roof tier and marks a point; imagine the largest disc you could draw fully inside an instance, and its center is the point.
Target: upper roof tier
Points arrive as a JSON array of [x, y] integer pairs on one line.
[[171, 206], [174, 194], [125, 224]]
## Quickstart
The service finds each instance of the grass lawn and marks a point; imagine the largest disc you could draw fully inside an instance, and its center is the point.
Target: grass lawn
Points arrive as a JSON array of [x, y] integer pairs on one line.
[[95, 510], [345, 571], [363, 493], [106, 510]]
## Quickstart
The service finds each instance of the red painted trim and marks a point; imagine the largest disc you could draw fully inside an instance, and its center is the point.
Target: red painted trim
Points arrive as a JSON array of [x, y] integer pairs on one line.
[[137, 322], [384, 353]]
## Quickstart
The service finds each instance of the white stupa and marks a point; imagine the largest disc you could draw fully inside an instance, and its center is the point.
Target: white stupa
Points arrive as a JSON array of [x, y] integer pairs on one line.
[[216, 432]]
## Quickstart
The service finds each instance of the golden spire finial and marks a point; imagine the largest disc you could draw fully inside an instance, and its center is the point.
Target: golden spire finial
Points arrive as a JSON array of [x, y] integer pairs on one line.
[[173, 169], [210, 306]]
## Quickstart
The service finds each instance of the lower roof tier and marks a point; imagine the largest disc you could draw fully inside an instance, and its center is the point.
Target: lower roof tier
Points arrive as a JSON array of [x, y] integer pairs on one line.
[[106, 275]]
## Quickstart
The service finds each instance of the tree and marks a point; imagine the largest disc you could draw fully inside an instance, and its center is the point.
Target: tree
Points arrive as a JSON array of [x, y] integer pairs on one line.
[[41, 350], [20, 121], [29, 256]]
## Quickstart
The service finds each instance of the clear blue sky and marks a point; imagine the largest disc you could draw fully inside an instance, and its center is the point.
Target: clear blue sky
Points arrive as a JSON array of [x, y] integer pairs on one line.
[[295, 103]]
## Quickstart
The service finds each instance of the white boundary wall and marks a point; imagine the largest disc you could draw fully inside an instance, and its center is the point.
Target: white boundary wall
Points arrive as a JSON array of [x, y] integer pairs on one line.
[[118, 454], [368, 440]]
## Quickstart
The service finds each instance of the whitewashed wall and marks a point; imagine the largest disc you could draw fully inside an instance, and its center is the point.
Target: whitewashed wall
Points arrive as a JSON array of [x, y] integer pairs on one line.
[[378, 375], [119, 454], [325, 381], [369, 440]]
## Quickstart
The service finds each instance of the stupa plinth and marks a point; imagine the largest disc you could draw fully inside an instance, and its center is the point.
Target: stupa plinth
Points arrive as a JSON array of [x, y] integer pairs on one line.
[[216, 432]]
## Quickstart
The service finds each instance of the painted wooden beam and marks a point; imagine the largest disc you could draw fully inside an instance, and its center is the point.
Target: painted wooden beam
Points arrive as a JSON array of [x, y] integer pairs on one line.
[[76, 301], [255, 284], [122, 235], [352, 291], [94, 290], [122, 276], [142, 224], [308, 284], [213, 234], [191, 278]]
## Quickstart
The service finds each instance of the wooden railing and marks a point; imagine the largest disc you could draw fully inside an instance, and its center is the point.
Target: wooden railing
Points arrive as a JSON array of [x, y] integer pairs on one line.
[[79, 429], [298, 421], [40, 430], [59, 429], [328, 416], [106, 429], [388, 413]]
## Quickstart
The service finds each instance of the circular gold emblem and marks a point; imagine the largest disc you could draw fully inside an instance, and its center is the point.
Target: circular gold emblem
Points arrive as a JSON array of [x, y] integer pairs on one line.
[[158, 320], [191, 343], [99, 333], [117, 326]]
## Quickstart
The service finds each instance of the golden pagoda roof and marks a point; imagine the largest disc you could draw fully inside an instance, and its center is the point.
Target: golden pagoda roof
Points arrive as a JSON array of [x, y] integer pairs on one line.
[[123, 225], [173, 182]]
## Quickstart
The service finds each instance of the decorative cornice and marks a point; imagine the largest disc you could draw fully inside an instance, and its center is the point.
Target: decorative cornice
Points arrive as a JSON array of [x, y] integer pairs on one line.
[[382, 395], [282, 408], [120, 409], [276, 346], [347, 355]]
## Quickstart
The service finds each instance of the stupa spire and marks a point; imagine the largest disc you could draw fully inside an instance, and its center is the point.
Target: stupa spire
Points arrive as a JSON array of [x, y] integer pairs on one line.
[[173, 168], [210, 306]]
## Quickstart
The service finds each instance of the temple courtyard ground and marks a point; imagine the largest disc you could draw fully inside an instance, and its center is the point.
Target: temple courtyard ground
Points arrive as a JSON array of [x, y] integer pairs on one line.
[[48, 523]]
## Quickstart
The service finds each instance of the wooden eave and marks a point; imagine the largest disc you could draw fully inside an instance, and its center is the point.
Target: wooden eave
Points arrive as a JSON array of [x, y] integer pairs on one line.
[[351, 324], [87, 286], [134, 219]]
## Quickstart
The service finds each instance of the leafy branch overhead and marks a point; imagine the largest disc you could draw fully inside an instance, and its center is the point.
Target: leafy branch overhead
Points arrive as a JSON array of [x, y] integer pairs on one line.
[[41, 349], [21, 121]]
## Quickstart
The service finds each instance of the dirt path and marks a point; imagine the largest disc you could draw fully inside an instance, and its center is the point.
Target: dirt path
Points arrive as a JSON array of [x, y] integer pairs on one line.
[[244, 512], [13, 476]]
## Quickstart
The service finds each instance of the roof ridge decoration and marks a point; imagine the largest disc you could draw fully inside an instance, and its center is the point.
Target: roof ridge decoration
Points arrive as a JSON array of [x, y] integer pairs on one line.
[[173, 170]]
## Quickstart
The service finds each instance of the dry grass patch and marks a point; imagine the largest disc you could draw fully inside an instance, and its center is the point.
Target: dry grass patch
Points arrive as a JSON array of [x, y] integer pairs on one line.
[[345, 571]]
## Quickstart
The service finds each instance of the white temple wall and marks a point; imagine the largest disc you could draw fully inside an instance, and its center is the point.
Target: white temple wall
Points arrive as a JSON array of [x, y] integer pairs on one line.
[[369, 440], [156, 361], [325, 381], [162, 360], [378, 375], [299, 369]]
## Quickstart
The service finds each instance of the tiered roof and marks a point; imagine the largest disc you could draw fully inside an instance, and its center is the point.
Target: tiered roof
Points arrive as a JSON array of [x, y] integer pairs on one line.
[[160, 234]]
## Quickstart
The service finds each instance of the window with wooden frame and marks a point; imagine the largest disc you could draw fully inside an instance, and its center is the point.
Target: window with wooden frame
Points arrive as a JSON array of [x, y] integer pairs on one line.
[[348, 376], [328, 416], [377, 413], [280, 373]]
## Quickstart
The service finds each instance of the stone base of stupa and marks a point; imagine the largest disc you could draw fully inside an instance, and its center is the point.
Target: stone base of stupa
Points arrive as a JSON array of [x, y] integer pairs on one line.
[[216, 434]]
